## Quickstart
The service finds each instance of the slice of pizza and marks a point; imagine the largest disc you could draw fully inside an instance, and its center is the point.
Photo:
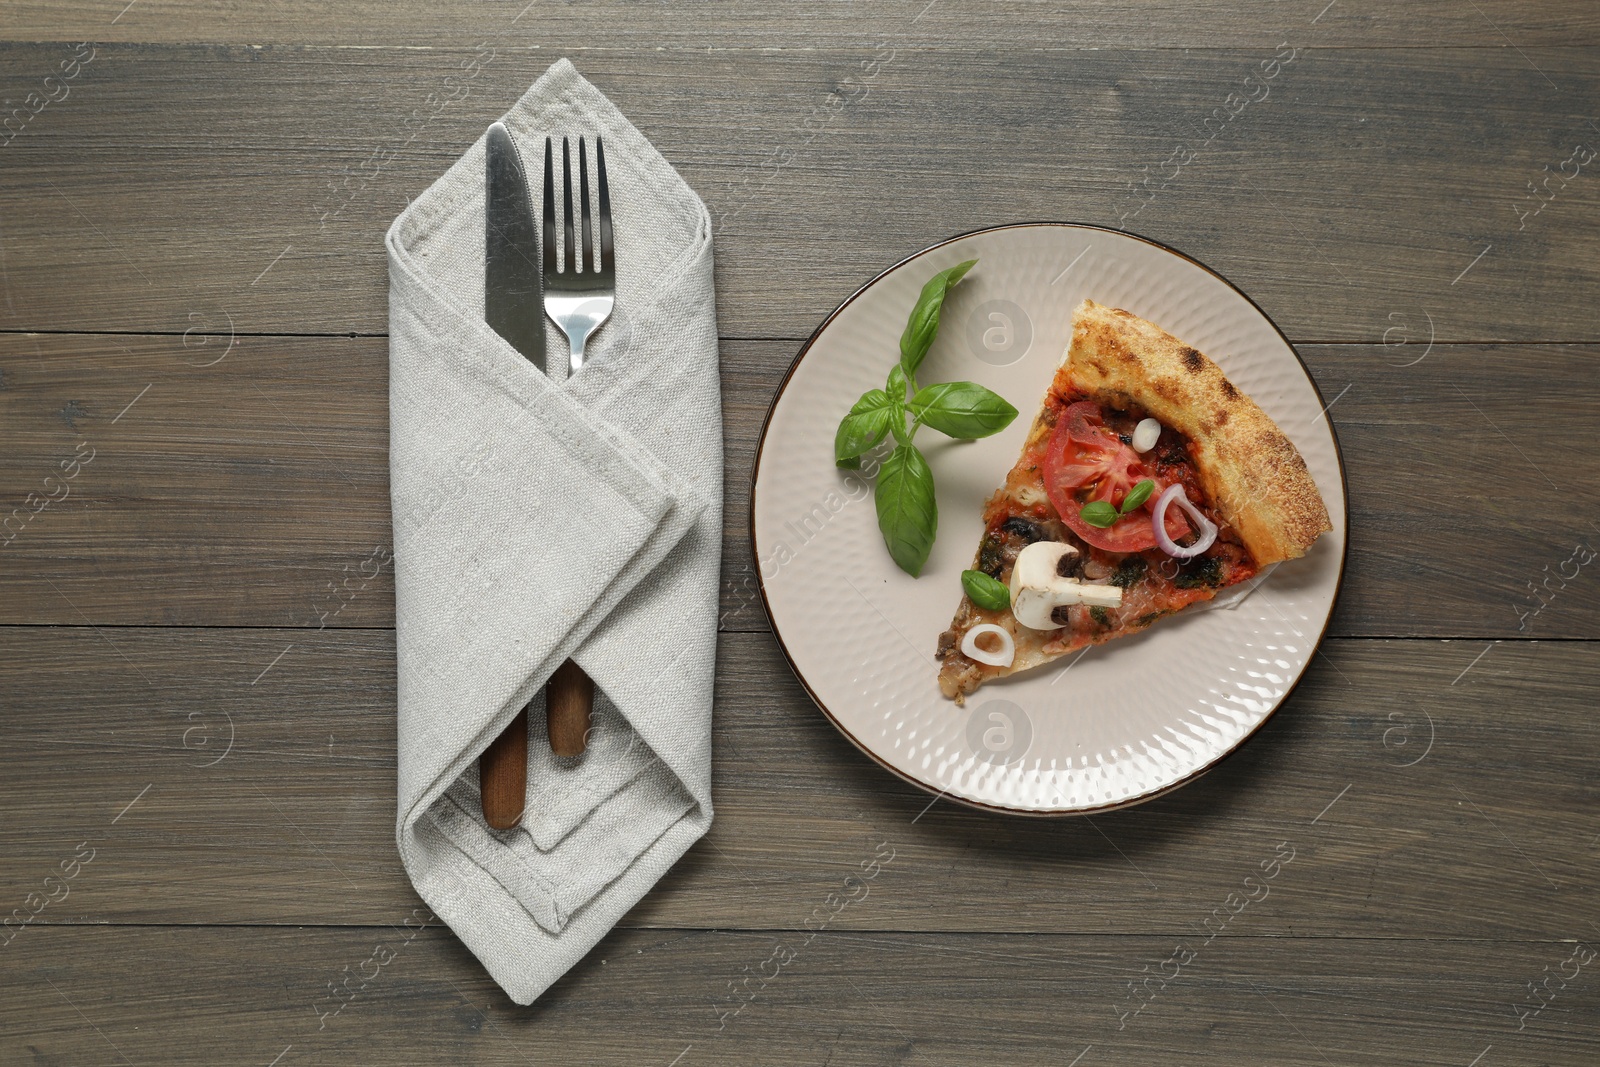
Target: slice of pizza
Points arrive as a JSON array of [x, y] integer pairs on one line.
[[1148, 482]]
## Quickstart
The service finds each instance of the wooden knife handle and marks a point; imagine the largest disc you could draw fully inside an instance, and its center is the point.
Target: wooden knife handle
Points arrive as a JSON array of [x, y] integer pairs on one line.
[[568, 699], [503, 775]]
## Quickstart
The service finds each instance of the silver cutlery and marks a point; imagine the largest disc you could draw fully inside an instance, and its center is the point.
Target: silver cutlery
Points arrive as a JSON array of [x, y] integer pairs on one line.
[[580, 292]]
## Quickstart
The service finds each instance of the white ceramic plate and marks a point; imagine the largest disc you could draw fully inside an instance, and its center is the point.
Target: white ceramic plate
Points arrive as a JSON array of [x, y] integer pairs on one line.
[[1109, 727]]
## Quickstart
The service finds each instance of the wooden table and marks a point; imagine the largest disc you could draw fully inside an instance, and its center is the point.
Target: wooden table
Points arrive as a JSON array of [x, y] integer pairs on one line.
[[197, 665]]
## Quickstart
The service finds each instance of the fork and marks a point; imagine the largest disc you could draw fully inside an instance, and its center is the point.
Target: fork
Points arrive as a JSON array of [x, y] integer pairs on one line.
[[580, 297]]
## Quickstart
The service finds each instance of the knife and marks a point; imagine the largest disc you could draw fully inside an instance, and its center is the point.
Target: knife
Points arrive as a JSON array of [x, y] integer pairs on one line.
[[513, 304]]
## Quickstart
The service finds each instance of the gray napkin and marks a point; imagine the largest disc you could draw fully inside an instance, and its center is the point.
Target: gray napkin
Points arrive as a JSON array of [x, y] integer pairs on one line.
[[536, 521]]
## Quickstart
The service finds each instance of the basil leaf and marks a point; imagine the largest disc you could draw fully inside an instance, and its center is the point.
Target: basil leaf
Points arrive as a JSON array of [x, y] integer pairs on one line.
[[1138, 495], [962, 409], [923, 324], [896, 392], [863, 427], [986, 592], [1098, 513], [907, 513]]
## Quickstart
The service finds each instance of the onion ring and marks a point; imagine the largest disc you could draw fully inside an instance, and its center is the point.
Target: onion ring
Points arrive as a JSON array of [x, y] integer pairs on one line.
[[1002, 658], [1158, 520]]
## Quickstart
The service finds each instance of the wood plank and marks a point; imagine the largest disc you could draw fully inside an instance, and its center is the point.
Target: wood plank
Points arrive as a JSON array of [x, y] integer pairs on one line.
[[1486, 835], [247, 489], [180, 996], [1436, 795], [237, 493], [722, 24], [1366, 185]]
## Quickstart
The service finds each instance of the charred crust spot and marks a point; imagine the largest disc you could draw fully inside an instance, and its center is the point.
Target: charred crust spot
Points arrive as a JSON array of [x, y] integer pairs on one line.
[[1222, 417], [1228, 390], [1193, 361]]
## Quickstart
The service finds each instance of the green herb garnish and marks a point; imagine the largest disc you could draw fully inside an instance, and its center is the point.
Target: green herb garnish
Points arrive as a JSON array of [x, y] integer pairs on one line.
[[1138, 495], [1099, 513], [1129, 572], [907, 512], [991, 555], [1100, 615], [866, 425], [923, 324], [1200, 573], [986, 592], [963, 410], [908, 515]]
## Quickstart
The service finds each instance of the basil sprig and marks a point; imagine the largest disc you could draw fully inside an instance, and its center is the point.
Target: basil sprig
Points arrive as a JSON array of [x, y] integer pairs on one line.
[[962, 410], [866, 425], [923, 325], [896, 387], [1138, 495], [1100, 513], [986, 592], [908, 515]]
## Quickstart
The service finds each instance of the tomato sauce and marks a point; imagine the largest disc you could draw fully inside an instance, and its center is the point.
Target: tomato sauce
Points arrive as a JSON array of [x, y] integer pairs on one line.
[[1088, 456]]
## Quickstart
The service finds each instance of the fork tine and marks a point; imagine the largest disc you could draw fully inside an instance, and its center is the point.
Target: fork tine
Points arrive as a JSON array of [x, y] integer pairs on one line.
[[589, 263], [571, 263], [607, 254], [549, 211]]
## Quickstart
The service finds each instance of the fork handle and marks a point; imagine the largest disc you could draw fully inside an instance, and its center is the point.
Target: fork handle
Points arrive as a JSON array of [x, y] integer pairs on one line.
[[503, 775], [569, 699], [577, 340], [567, 706], [503, 767]]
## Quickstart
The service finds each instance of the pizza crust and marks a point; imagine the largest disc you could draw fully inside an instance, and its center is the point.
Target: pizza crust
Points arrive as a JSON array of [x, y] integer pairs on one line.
[[1254, 475], [1253, 478]]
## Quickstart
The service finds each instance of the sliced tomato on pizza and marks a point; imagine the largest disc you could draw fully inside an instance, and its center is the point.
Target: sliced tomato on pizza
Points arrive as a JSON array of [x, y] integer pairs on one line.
[[1147, 483]]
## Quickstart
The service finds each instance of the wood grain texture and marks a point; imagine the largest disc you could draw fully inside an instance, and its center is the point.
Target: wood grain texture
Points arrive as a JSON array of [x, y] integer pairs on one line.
[[269, 761], [254, 492], [722, 24], [216, 184], [196, 649], [194, 996]]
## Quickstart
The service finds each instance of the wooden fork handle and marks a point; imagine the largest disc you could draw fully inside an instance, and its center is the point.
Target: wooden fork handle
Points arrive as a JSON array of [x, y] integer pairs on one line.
[[503, 775], [568, 700], [503, 767]]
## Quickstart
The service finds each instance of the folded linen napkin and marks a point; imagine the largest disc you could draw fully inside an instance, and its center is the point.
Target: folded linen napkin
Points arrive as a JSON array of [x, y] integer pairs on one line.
[[536, 520]]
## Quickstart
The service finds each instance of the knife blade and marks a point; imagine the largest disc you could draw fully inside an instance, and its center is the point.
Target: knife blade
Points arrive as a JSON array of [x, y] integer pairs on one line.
[[513, 296], [513, 305]]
